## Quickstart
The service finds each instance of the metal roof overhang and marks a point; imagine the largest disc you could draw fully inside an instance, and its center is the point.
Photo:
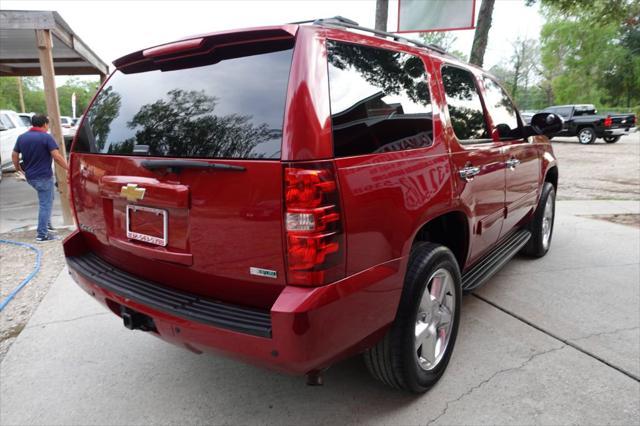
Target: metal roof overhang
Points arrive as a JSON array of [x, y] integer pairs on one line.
[[19, 47]]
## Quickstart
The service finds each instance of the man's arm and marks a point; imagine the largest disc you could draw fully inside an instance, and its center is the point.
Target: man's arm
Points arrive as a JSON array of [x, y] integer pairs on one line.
[[58, 158], [15, 157]]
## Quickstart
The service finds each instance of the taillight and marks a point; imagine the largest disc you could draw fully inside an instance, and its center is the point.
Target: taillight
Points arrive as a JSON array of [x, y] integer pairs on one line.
[[313, 224], [608, 121]]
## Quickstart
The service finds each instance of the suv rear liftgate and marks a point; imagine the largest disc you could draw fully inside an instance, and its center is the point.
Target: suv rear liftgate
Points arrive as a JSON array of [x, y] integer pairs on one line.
[[175, 162]]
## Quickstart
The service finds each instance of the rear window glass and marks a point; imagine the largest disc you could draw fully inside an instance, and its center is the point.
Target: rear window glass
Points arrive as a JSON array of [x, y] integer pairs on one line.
[[564, 112], [380, 100], [232, 108]]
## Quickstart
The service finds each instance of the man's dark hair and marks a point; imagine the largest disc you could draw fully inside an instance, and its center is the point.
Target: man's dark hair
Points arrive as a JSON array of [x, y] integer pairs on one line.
[[39, 120]]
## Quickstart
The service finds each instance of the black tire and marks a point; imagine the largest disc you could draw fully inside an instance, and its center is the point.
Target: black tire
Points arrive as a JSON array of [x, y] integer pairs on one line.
[[536, 246], [586, 135], [611, 139], [394, 360]]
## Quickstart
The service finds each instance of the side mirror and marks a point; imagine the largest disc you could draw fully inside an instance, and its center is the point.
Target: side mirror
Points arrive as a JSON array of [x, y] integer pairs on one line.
[[544, 123]]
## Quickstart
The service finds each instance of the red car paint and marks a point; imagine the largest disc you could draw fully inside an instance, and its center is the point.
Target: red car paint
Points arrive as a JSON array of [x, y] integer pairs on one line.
[[224, 223]]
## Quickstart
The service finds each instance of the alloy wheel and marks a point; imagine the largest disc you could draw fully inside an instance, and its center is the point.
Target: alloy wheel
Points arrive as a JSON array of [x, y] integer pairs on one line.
[[434, 319], [547, 222]]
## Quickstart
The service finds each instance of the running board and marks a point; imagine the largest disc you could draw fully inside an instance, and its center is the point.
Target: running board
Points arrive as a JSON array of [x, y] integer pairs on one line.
[[494, 261]]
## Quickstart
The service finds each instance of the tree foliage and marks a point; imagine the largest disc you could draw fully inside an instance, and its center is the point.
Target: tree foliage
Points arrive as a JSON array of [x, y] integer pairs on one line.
[[590, 51], [445, 40], [184, 125], [392, 72], [33, 92]]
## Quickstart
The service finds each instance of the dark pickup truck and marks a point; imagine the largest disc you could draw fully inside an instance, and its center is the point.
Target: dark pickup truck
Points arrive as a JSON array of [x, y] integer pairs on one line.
[[584, 122]]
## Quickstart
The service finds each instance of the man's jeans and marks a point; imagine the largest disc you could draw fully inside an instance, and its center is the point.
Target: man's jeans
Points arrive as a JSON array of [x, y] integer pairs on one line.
[[45, 199]]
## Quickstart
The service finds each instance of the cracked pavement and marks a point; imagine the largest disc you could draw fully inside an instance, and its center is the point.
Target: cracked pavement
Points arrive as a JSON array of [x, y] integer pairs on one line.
[[485, 381], [555, 341]]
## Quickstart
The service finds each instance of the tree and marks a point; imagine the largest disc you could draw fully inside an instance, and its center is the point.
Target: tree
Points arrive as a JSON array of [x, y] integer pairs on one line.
[[603, 11], [444, 39], [185, 125], [84, 91], [382, 13], [34, 94], [9, 97], [590, 52], [105, 109], [524, 59], [481, 35], [391, 72]]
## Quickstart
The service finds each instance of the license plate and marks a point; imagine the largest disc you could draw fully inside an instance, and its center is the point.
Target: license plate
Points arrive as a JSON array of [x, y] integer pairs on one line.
[[147, 224]]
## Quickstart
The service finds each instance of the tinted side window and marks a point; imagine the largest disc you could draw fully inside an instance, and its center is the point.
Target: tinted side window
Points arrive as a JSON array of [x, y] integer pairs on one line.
[[463, 101], [502, 111], [232, 106], [380, 100]]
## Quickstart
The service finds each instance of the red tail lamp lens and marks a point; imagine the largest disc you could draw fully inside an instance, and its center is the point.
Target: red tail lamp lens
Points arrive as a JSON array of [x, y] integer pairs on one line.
[[608, 121], [313, 226], [308, 251], [306, 188]]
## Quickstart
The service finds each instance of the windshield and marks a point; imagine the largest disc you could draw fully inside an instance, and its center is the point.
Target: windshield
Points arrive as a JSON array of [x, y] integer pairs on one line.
[[232, 108]]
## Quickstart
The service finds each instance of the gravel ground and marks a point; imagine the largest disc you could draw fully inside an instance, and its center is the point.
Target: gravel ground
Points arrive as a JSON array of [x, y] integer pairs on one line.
[[622, 219], [600, 171], [15, 264]]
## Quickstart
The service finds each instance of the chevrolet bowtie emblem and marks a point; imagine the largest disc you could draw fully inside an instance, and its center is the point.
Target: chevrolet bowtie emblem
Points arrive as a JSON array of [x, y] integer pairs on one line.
[[131, 192]]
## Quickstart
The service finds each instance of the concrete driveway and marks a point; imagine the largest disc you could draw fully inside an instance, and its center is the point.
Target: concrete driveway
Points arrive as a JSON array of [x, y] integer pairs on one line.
[[19, 205], [548, 341]]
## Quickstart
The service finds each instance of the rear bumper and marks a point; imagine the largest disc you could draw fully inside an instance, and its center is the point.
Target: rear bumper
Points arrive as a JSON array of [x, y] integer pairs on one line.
[[620, 131], [306, 329]]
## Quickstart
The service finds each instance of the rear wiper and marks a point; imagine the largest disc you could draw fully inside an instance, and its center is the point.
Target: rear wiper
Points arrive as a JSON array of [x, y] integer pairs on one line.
[[176, 166]]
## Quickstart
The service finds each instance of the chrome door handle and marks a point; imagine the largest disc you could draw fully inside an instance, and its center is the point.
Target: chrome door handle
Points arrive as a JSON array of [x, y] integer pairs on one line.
[[468, 173], [512, 163]]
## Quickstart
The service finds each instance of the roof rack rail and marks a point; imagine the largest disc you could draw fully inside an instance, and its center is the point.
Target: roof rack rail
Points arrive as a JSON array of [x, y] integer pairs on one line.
[[340, 21]]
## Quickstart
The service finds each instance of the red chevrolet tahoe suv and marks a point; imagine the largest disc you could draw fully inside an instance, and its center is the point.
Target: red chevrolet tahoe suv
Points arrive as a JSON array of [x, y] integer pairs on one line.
[[294, 195]]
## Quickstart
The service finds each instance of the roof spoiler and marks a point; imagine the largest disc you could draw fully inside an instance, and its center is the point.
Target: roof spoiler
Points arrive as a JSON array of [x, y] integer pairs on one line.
[[202, 44]]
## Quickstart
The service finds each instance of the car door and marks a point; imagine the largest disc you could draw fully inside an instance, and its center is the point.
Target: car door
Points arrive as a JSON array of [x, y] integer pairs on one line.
[[568, 125], [477, 160], [522, 162]]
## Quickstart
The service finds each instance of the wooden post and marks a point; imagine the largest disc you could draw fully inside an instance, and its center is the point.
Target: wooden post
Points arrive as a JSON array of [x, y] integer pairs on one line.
[[21, 94], [45, 46]]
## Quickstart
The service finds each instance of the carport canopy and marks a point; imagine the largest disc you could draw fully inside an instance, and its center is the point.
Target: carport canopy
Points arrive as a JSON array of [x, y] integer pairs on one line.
[[36, 43], [19, 54]]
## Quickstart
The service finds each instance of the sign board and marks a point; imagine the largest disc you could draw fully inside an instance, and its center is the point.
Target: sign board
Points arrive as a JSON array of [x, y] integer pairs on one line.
[[435, 15]]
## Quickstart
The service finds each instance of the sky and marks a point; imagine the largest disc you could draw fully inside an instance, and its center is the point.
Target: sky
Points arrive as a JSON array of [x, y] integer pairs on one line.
[[114, 28]]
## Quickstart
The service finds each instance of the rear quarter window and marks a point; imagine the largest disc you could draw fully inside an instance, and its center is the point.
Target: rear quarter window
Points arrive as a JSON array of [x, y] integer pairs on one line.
[[230, 107], [463, 102], [380, 100]]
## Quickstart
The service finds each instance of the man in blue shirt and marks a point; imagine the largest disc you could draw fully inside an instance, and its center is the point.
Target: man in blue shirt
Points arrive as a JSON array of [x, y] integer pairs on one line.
[[38, 148]]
